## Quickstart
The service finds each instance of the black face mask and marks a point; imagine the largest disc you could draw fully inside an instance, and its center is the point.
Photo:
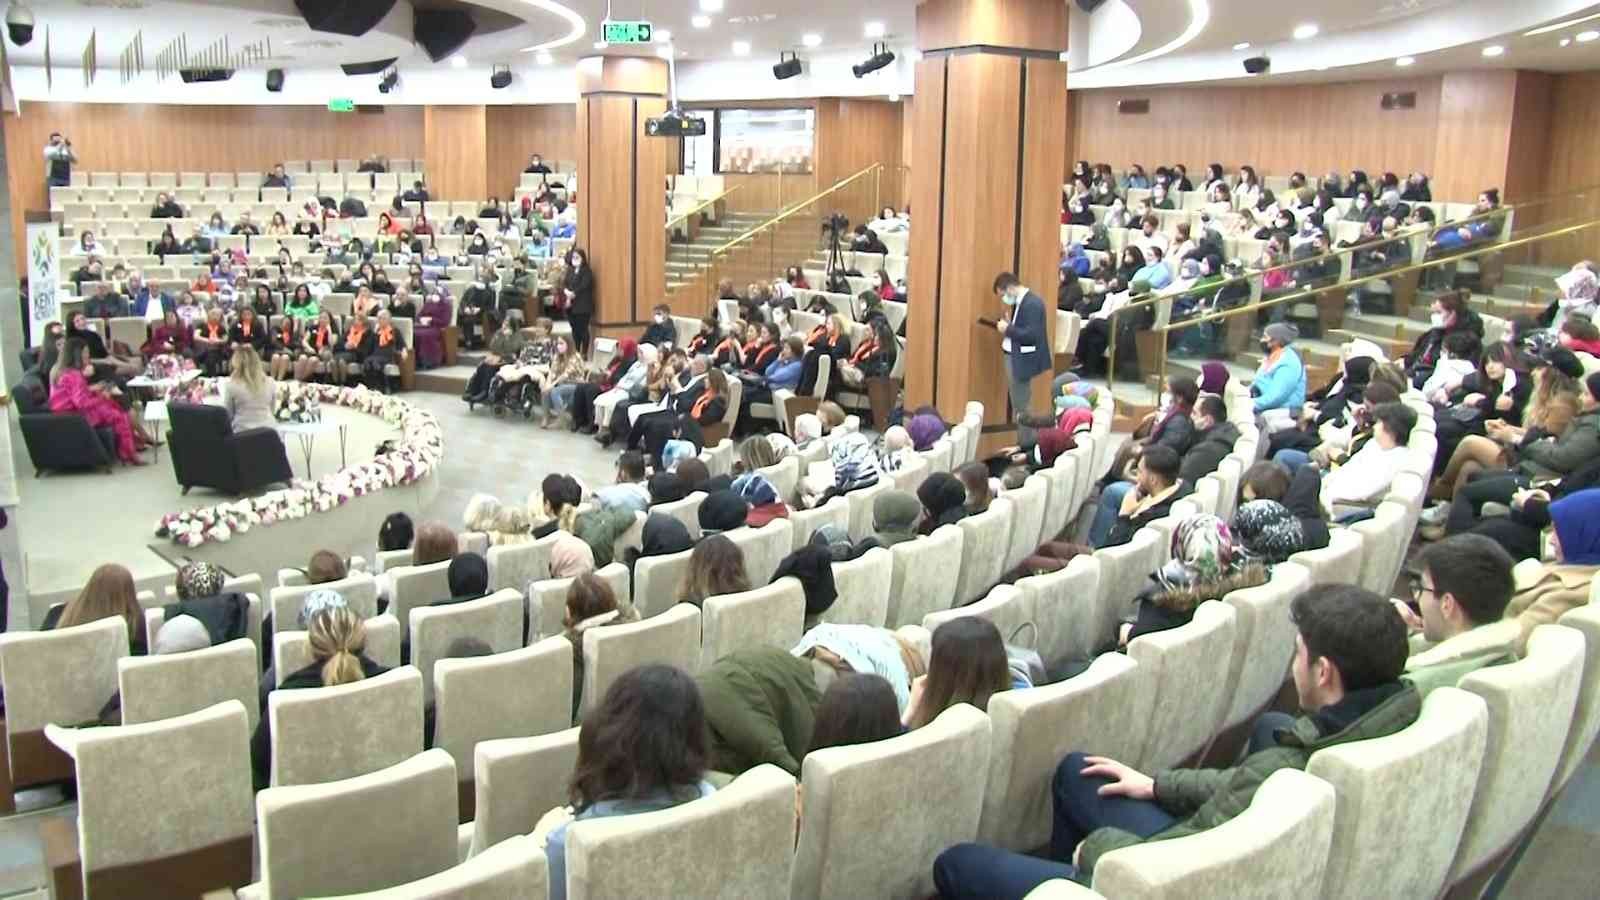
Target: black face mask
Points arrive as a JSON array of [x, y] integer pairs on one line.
[[1266, 346]]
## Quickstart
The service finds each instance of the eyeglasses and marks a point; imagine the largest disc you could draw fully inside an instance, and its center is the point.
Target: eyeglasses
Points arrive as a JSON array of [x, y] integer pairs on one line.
[[1418, 589]]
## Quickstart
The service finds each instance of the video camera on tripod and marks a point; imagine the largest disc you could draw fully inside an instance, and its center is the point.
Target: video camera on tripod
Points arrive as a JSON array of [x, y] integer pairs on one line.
[[835, 227]]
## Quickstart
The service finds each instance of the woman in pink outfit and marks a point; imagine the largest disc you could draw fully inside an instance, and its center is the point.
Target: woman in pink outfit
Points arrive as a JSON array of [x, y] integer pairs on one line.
[[70, 391]]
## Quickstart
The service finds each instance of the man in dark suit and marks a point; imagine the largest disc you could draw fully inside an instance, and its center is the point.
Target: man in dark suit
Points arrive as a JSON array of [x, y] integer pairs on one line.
[[1026, 344]]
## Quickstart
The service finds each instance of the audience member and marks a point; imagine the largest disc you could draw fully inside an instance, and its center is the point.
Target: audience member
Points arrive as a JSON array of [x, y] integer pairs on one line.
[[760, 707], [1545, 593], [967, 665], [1361, 482], [1206, 565], [1458, 605], [857, 708], [108, 592], [1299, 493], [943, 498], [590, 604]]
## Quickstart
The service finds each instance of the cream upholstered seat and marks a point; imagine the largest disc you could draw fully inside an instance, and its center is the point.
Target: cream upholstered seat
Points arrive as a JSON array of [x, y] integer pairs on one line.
[[1061, 889], [390, 826], [1184, 667], [1228, 473], [1124, 569], [784, 476], [175, 684], [1027, 518], [473, 542], [512, 869], [763, 548], [1083, 455], [861, 501], [805, 522], [1586, 714], [927, 572], [770, 616], [1065, 608], [719, 458], [912, 472], [519, 693], [517, 781], [1402, 800], [1531, 702], [686, 511], [1101, 710], [1061, 506], [1263, 643], [1006, 606], [657, 582], [1277, 847], [329, 733], [983, 549], [1335, 563], [671, 638], [863, 584], [496, 620], [1384, 538], [416, 586], [547, 600], [291, 650], [738, 842], [62, 677], [360, 593], [849, 847], [196, 767]]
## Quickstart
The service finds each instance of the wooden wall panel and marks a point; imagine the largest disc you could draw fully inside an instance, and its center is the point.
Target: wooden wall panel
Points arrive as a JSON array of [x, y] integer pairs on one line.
[[853, 134], [1474, 132], [1039, 236], [517, 132], [651, 211], [457, 149], [1570, 160], [1029, 24], [927, 193]]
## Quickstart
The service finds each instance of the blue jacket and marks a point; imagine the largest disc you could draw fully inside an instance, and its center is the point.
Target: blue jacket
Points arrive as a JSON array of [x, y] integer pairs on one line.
[[783, 375], [141, 301], [1283, 386], [1030, 342]]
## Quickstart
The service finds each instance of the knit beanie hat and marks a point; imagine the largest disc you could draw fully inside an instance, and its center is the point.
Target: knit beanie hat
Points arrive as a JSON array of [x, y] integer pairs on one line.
[[723, 511], [895, 511], [181, 634]]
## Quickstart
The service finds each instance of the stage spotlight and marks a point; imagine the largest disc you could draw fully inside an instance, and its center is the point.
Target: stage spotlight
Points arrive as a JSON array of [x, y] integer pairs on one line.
[[881, 57], [391, 80], [786, 68], [501, 77]]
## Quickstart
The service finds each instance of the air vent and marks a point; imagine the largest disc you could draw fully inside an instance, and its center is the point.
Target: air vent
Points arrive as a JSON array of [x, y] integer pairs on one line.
[[1399, 100], [1133, 107]]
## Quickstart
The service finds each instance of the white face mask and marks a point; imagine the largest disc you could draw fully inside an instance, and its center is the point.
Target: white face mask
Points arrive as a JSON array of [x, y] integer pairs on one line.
[[1436, 320], [660, 319]]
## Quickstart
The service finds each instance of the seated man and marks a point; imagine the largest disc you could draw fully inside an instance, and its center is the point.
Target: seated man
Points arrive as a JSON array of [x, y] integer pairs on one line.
[[660, 331], [1461, 599], [629, 492], [1213, 439], [1153, 494], [1360, 482], [1349, 655]]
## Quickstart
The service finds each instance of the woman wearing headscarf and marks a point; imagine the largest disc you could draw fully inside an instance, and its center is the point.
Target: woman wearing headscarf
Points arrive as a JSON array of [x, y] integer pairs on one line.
[[855, 466], [897, 449], [765, 504], [1332, 404], [468, 578], [1206, 565], [1580, 294], [894, 517], [1549, 591], [1076, 262], [925, 428], [1213, 377], [570, 557], [722, 511], [610, 408], [583, 408], [944, 501], [662, 535], [1268, 532]]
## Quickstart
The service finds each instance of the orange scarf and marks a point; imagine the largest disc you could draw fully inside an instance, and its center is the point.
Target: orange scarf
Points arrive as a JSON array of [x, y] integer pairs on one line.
[[322, 336], [214, 330], [752, 347], [729, 344], [357, 332], [701, 404], [244, 330], [866, 349], [817, 332], [385, 335], [288, 332]]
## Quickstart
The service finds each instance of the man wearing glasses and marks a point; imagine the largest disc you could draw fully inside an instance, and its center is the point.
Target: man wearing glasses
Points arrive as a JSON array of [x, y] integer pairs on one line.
[[1458, 605]]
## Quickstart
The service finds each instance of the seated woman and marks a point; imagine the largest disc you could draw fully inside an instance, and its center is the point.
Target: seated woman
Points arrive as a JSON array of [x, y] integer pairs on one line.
[[169, 338], [403, 305], [352, 350], [302, 304], [388, 348], [967, 665], [1579, 335], [831, 338], [874, 358], [686, 418], [728, 352], [943, 498], [1480, 226], [70, 391], [108, 592], [1554, 404], [317, 344], [590, 604], [1498, 390], [583, 398], [475, 301], [763, 347], [632, 384], [107, 364], [1552, 589], [248, 331], [784, 373], [247, 393], [505, 344], [1520, 530], [1206, 565], [522, 380], [716, 567], [568, 372]]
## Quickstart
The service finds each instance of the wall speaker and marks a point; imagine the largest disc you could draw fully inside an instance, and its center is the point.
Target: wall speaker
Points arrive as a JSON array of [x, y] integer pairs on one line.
[[368, 68], [786, 68], [1255, 65], [501, 77], [191, 76], [1133, 107], [1398, 100], [1090, 6], [351, 17], [275, 80], [441, 32]]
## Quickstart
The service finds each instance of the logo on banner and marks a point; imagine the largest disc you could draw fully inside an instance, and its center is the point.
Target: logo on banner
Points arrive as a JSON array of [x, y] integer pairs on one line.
[[44, 279]]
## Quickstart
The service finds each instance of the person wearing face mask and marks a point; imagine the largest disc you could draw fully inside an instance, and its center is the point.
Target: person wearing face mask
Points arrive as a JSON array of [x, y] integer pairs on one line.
[[579, 288], [1025, 343], [1151, 237], [1279, 388], [1448, 315], [660, 332]]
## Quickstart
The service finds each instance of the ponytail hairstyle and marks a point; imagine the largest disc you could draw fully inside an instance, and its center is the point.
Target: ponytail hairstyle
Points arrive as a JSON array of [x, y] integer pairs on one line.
[[561, 496], [338, 637]]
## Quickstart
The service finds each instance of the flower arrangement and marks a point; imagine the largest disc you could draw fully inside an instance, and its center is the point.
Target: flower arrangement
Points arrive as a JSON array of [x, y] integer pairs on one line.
[[167, 367], [412, 457], [296, 406]]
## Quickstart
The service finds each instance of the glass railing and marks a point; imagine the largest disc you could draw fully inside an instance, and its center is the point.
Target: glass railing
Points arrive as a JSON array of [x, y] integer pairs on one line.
[[1379, 289], [790, 238]]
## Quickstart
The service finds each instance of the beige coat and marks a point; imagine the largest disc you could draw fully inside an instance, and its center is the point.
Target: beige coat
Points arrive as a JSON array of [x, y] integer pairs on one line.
[[1545, 593]]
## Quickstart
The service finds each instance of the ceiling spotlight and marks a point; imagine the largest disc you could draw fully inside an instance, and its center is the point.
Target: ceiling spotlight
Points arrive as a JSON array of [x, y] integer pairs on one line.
[[1308, 30], [786, 68], [811, 40], [501, 78], [1494, 50], [458, 62], [700, 21], [662, 36], [711, 6], [873, 30], [544, 58], [1585, 37], [894, 98], [741, 48], [1405, 61], [1242, 45], [391, 80], [881, 56]]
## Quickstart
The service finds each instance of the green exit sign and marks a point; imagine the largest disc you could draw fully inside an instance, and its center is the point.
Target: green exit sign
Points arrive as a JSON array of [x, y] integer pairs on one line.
[[627, 32], [341, 106]]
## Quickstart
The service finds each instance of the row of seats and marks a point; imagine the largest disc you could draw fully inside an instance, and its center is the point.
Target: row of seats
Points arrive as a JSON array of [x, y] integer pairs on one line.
[[292, 168], [196, 187]]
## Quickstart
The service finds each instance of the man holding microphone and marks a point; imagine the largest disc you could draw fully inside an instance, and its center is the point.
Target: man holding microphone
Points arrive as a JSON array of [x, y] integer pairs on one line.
[[1024, 340]]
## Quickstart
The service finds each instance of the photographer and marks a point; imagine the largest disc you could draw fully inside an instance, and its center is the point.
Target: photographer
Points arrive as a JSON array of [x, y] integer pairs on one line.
[[59, 157]]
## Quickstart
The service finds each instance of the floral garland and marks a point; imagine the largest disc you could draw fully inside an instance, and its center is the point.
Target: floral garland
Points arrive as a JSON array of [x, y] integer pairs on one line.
[[413, 457]]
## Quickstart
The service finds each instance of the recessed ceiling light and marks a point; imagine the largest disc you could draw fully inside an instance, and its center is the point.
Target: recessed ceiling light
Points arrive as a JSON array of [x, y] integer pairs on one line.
[[1585, 37], [873, 30], [711, 5], [811, 40], [600, 45], [741, 48], [458, 62], [1559, 25], [662, 36], [1494, 50], [700, 21], [664, 52], [1308, 30], [894, 98], [1405, 61], [1566, 41], [544, 58], [1242, 45]]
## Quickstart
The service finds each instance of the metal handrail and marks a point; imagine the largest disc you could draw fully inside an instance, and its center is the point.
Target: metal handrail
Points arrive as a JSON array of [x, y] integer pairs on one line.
[[701, 208], [792, 209]]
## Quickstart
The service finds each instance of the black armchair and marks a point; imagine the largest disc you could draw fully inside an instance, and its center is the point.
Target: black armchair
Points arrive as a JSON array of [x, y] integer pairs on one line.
[[59, 441], [206, 451]]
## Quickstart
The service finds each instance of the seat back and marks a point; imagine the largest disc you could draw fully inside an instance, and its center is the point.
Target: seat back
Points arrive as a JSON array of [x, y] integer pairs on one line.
[[784, 476], [291, 650], [515, 867], [684, 843], [671, 638], [518, 565], [522, 692], [1278, 847], [983, 549], [547, 600], [1184, 666], [1083, 455], [861, 501], [329, 733], [1586, 715], [1124, 569], [1263, 644], [939, 455], [496, 620], [1228, 473], [1103, 707], [925, 776], [198, 765], [415, 586], [393, 825], [1384, 538], [1335, 563], [1005, 605], [913, 471], [1027, 519], [518, 780], [155, 617], [927, 572], [769, 616], [1531, 702], [176, 684], [863, 584], [1062, 503], [657, 582], [805, 522], [1065, 609], [764, 548], [62, 676], [359, 590], [1403, 800], [686, 511]]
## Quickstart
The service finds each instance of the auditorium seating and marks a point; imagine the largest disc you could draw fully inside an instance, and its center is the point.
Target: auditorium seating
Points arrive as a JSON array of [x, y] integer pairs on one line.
[[547, 599], [171, 685], [329, 733], [926, 575], [1586, 714], [770, 616], [517, 781], [863, 584], [496, 620], [986, 539], [671, 638], [1263, 644], [515, 867], [1183, 667], [291, 650], [1065, 609]]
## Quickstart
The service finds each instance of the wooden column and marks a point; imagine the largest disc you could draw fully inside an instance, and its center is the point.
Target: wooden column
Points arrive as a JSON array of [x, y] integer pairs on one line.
[[1493, 128], [456, 145], [622, 187], [986, 162]]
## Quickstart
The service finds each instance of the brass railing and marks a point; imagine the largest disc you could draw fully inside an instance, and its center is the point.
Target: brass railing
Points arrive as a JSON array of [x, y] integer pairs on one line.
[[721, 198]]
